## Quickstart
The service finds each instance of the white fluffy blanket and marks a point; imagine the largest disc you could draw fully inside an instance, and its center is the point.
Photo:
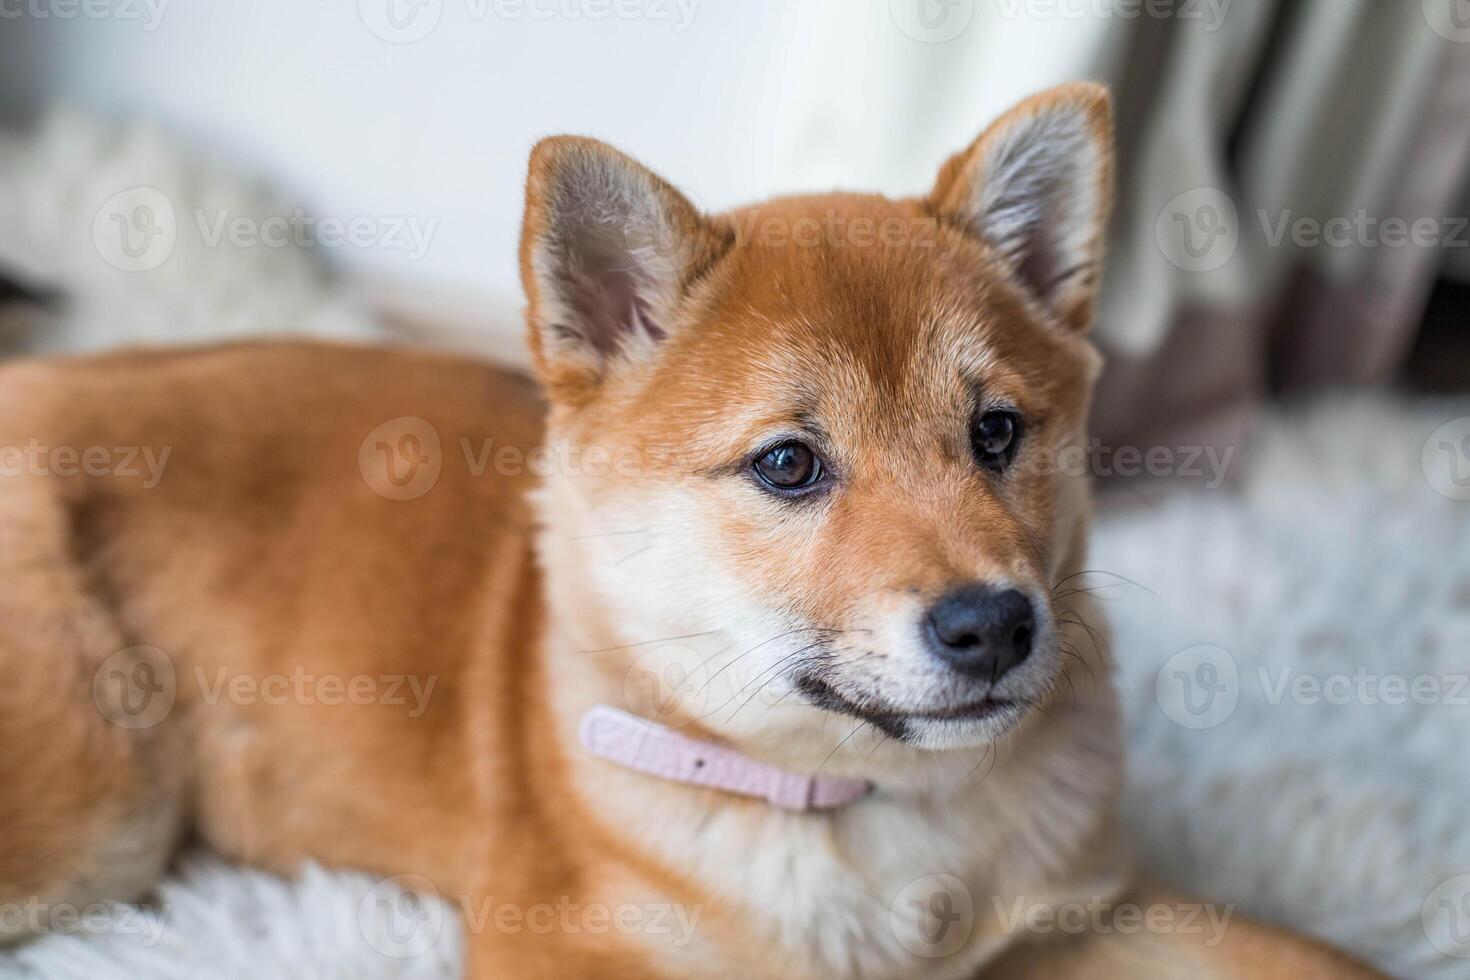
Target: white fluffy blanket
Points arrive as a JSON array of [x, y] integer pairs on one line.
[[122, 220], [1328, 601]]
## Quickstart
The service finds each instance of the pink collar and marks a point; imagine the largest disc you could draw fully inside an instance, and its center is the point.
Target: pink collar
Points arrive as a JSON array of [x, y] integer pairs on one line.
[[630, 741]]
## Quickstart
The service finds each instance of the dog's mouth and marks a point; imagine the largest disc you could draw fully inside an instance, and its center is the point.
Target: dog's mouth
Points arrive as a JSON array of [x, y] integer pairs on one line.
[[999, 713]]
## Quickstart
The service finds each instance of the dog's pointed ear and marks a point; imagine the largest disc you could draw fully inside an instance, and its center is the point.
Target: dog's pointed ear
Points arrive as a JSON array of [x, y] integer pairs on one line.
[[1038, 186], [607, 252]]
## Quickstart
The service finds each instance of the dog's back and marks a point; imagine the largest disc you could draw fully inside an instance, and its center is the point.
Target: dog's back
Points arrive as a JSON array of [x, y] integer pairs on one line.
[[190, 540]]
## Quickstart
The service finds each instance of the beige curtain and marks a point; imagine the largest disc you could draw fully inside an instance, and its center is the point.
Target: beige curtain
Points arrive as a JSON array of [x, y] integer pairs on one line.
[[1292, 179]]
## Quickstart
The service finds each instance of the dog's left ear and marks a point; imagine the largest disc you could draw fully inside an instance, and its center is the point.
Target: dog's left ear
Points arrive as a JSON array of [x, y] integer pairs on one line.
[[1038, 186]]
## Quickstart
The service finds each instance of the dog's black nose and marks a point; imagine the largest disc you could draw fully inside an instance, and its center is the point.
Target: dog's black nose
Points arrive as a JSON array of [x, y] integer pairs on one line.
[[977, 630]]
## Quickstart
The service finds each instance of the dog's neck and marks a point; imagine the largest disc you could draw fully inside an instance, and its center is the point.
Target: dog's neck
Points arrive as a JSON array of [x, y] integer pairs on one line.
[[1032, 815], [627, 740]]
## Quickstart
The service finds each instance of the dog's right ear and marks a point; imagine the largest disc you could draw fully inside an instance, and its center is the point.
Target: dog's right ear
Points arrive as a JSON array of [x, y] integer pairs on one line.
[[607, 250]]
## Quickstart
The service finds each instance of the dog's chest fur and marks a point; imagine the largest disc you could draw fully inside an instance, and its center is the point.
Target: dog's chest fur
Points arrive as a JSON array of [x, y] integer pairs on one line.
[[893, 886]]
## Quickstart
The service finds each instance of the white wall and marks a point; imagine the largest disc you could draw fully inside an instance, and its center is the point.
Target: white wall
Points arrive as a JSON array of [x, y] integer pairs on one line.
[[730, 100]]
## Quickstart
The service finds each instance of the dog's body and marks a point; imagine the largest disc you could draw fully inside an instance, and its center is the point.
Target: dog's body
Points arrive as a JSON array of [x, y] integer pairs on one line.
[[307, 535]]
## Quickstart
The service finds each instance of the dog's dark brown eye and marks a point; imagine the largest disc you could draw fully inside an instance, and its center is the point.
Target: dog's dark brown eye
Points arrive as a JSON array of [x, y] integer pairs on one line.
[[994, 436], [789, 466]]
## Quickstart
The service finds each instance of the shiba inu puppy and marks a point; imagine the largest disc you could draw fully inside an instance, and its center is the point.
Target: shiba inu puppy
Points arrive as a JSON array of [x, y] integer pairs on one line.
[[760, 649]]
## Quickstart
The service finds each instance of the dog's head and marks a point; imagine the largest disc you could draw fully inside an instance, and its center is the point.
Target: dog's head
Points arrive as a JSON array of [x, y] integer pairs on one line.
[[812, 451]]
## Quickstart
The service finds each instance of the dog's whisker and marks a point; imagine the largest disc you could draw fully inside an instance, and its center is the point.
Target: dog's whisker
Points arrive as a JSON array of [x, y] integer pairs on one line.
[[777, 665], [883, 739], [857, 728], [645, 643], [789, 668], [607, 534], [633, 554], [1123, 579], [767, 684], [774, 676], [779, 636], [1064, 596], [1070, 652], [1071, 688], [1073, 618], [989, 753]]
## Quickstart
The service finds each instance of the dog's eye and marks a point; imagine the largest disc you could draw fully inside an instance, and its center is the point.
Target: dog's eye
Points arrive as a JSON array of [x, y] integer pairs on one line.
[[789, 466], [995, 436]]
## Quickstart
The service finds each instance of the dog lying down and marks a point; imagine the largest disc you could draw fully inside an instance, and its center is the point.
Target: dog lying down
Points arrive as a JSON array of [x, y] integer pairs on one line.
[[758, 649]]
